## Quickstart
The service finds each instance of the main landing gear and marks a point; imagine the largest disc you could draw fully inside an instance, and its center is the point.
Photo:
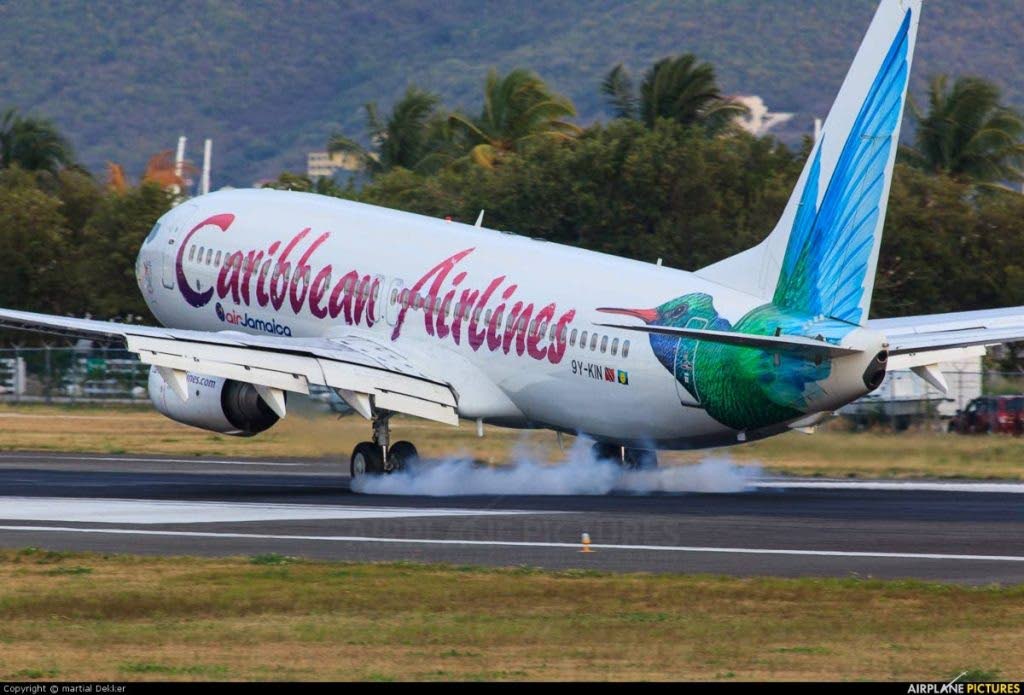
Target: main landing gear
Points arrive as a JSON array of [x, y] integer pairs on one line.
[[381, 456], [628, 458]]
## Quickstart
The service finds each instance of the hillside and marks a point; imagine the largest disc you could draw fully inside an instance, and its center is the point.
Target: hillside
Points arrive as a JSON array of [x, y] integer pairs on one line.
[[270, 80]]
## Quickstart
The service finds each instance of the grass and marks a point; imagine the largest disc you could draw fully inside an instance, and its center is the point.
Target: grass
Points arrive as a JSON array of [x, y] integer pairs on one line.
[[149, 618], [827, 453]]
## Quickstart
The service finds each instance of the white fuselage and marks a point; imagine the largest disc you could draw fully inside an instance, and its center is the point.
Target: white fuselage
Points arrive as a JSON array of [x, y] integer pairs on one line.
[[300, 265]]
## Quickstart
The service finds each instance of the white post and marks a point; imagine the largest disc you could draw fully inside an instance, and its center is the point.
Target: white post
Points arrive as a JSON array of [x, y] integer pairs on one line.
[[207, 150], [179, 157]]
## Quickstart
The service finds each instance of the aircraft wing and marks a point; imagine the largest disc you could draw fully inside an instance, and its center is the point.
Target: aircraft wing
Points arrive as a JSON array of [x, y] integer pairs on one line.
[[934, 332], [365, 372], [919, 343]]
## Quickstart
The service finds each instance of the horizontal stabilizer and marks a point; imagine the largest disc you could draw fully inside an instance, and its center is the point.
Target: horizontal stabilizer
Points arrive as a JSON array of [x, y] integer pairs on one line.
[[943, 340], [787, 343]]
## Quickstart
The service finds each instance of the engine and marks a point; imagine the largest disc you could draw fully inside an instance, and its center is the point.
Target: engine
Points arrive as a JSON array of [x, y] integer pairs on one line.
[[215, 404]]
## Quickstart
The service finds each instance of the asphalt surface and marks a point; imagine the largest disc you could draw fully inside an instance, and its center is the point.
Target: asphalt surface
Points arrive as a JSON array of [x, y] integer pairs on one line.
[[967, 533]]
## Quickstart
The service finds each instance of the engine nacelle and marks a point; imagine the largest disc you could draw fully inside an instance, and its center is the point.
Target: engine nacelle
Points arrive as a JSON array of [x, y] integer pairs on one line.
[[215, 404]]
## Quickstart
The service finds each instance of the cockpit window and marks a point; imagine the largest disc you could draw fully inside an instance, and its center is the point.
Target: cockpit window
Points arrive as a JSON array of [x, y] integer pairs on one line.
[[152, 233]]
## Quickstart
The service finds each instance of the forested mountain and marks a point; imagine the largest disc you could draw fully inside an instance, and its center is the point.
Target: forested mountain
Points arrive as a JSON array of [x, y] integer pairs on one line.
[[272, 79]]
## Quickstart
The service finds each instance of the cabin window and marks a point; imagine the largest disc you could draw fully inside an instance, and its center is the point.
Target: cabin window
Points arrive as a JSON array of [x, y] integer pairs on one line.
[[305, 276], [447, 306], [497, 317], [192, 252], [216, 260], [476, 315], [583, 340], [394, 296], [487, 318], [572, 338], [604, 344], [615, 347], [625, 348], [593, 341], [209, 256]]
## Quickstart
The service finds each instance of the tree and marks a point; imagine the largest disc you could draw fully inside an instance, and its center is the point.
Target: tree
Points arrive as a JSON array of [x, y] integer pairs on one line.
[[967, 133], [669, 192], [109, 246], [679, 88], [34, 144], [403, 139], [33, 245], [324, 185], [519, 108]]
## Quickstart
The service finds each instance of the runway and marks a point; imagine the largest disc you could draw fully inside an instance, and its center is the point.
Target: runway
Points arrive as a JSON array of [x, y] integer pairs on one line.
[[956, 532]]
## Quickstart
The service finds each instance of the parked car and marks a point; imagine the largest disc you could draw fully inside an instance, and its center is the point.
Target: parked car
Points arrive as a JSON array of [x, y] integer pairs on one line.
[[996, 414]]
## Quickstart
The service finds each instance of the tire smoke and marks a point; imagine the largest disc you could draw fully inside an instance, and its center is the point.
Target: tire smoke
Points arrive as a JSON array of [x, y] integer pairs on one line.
[[577, 474]]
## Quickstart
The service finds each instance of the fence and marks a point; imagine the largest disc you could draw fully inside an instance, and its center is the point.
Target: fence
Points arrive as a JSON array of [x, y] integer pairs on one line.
[[69, 375], [65, 375], [904, 399]]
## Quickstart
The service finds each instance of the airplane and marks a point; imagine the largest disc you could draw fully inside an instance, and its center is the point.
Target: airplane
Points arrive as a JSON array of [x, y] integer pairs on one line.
[[262, 293]]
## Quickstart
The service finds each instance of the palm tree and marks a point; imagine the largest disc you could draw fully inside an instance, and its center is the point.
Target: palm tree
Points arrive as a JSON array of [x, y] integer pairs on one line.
[[967, 133], [679, 88], [34, 144], [518, 108], [402, 140]]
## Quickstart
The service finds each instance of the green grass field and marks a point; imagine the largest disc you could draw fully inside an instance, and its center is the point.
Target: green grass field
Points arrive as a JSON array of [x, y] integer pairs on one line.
[[95, 617], [827, 453]]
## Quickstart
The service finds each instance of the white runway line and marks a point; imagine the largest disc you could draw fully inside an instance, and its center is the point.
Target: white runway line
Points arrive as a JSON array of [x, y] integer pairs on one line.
[[901, 486], [119, 511], [59, 458], [523, 544]]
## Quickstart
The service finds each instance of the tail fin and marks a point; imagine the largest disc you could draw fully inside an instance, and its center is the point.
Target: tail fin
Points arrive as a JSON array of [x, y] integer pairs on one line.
[[821, 257]]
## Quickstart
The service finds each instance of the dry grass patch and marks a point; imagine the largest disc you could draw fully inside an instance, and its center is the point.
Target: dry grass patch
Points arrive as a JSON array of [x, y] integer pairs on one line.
[[201, 619], [828, 453]]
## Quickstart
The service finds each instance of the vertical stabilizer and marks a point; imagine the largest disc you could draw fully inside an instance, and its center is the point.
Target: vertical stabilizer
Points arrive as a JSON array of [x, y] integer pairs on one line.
[[820, 259]]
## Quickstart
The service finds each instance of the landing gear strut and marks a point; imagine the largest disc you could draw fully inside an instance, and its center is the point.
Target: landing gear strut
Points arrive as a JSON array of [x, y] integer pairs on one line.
[[627, 457], [380, 455]]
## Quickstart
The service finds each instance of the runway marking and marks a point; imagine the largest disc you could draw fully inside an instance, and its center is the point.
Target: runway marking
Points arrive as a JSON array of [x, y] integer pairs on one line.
[[523, 544], [66, 458], [901, 486], [120, 511]]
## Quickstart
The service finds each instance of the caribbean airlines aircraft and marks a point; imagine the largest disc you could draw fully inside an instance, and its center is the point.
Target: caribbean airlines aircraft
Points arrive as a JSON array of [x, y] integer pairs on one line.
[[265, 292]]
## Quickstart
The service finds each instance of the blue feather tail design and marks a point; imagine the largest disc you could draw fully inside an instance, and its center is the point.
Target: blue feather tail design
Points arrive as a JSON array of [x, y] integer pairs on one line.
[[830, 258]]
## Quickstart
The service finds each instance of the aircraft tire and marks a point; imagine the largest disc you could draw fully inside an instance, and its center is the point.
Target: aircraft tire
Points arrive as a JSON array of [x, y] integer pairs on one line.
[[367, 459], [401, 455], [603, 451]]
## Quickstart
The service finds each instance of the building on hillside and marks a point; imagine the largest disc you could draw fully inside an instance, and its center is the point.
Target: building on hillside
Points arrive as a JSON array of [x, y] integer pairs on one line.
[[324, 164]]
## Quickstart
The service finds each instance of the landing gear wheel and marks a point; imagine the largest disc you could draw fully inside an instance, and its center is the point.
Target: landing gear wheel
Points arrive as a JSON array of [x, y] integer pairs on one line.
[[640, 460], [603, 451], [367, 459], [401, 455]]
